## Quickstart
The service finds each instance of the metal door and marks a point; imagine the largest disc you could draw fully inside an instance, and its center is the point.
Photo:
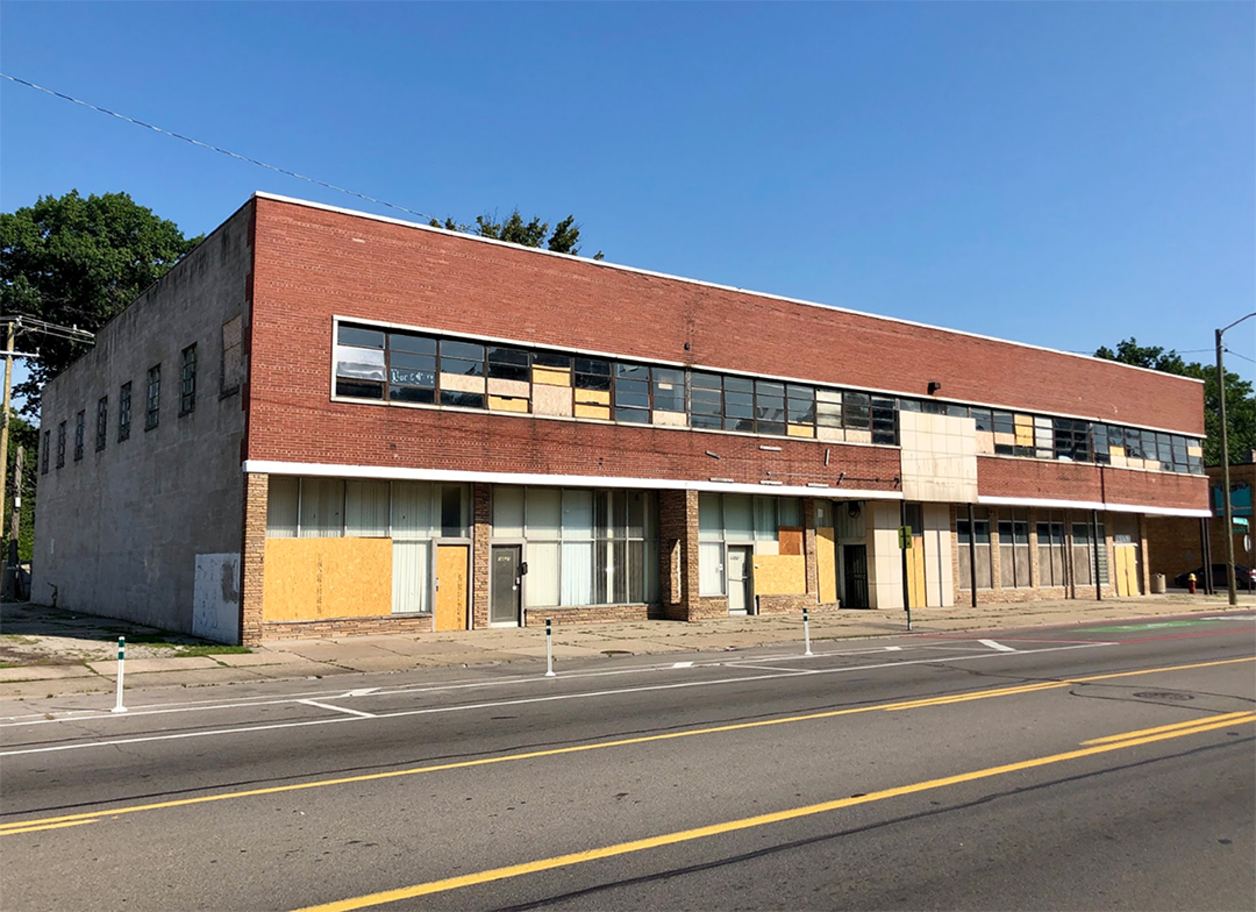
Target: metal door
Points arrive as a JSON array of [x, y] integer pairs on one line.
[[507, 585], [855, 577], [739, 592]]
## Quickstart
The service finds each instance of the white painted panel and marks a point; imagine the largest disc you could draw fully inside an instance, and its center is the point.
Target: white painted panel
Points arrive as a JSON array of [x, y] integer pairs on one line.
[[216, 598], [412, 562], [366, 509], [411, 510], [281, 507]]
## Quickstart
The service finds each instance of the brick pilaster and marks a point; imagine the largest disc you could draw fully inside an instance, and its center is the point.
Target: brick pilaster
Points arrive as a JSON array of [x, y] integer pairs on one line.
[[809, 548], [253, 552], [482, 519]]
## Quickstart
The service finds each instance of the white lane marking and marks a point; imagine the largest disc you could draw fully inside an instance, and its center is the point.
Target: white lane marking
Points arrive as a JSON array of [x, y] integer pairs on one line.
[[155, 709], [342, 709], [999, 646], [779, 671], [682, 665], [893, 648], [526, 700]]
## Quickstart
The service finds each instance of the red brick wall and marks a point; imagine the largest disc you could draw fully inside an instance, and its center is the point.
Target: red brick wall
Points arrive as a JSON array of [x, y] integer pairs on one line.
[[1013, 477], [312, 263]]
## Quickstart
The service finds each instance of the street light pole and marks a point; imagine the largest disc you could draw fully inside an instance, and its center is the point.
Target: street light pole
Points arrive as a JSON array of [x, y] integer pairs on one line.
[[1225, 471]]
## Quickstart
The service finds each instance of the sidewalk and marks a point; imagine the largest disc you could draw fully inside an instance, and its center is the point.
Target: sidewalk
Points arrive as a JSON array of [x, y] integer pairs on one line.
[[49, 653]]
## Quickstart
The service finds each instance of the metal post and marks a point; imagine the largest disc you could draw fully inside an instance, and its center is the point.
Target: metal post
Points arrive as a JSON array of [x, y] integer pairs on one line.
[[902, 523], [972, 555], [1205, 526], [806, 630], [118, 707], [1094, 537], [549, 649], [1231, 582]]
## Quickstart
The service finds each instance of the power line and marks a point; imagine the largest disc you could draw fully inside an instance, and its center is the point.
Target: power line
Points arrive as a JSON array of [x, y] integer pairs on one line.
[[213, 148], [1231, 351]]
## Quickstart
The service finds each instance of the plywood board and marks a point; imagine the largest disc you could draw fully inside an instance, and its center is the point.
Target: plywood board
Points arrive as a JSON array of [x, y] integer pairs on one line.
[[310, 579], [780, 574], [507, 404], [826, 563], [551, 400], [592, 411], [801, 430], [595, 397], [451, 587], [790, 538], [552, 376]]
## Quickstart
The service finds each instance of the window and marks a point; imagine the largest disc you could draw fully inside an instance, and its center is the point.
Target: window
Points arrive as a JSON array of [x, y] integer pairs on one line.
[[1051, 552], [124, 412], [360, 362], [102, 422], [80, 422], [738, 519], [1072, 440], [1014, 551], [884, 421], [706, 400], [975, 543], [61, 445], [828, 408], [411, 369], [187, 380], [232, 357], [669, 389], [856, 412], [632, 393], [43, 456], [1084, 555], [153, 407]]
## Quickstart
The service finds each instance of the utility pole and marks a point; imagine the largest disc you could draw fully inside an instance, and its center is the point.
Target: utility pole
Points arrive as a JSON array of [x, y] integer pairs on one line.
[[15, 526], [4, 420], [1225, 471], [14, 322]]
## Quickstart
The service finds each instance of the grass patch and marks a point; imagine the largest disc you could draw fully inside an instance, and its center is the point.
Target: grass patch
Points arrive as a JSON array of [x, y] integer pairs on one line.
[[157, 641], [10, 664]]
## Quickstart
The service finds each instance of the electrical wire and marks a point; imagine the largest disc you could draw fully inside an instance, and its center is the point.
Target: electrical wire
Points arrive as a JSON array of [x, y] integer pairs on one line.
[[1231, 351], [213, 148]]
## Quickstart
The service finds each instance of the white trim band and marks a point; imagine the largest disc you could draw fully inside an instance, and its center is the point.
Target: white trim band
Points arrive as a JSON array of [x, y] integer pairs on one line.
[[1150, 509], [396, 473]]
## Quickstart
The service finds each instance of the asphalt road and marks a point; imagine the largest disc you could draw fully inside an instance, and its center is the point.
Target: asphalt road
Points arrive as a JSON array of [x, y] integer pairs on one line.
[[1102, 767]]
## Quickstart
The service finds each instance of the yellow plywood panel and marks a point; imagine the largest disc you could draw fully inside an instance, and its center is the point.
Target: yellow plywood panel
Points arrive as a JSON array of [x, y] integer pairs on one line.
[[1127, 582], [790, 538], [916, 572], [780, 574], [552, 376], [1024, 436], [1116, 451], [598, 397], [310, 579], [451, 587], [826, 563], [592, 411], [801, 430], [507, 404]]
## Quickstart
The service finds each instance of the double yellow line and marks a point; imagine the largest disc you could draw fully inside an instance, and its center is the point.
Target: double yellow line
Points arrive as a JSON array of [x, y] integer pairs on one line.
[[1101, 746], [72, 820]]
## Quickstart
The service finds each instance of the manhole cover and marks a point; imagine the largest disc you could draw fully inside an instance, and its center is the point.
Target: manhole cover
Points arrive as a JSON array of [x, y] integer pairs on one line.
[[1163, 695]]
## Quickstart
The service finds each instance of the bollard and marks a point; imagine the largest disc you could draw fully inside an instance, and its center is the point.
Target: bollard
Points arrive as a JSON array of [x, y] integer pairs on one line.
[[806, 630], [549, 649], [908, 619], [118, 707]]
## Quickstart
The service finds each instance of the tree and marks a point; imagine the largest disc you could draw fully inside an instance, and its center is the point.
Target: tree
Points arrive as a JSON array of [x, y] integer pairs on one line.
[[25, 435], [77, 261], [1240, 403], [533, 233]]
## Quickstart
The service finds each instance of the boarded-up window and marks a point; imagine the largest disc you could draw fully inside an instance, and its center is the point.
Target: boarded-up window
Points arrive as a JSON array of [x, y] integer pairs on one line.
[[1014, 551], [232, 356], [974, 550]]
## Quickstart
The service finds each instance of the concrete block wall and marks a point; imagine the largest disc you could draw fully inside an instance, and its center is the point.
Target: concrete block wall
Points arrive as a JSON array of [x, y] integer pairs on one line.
[[119, 531]]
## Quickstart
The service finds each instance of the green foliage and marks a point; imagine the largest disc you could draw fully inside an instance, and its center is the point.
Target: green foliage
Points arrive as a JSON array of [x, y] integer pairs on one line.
[[77, 261], [533, 233], [1240, 403]]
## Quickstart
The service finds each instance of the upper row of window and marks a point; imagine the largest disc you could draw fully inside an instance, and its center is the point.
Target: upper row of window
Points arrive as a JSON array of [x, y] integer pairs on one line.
[[418, 368], [152, 411]]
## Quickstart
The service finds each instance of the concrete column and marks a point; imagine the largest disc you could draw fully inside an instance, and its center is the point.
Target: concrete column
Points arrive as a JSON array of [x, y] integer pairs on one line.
[[253, 553]]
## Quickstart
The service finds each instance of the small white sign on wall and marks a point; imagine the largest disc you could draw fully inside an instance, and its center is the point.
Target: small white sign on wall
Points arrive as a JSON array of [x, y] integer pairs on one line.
[[216, 597]]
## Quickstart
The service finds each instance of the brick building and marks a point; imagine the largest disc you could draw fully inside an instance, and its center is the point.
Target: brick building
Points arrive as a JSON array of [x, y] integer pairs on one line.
[[322, 421]]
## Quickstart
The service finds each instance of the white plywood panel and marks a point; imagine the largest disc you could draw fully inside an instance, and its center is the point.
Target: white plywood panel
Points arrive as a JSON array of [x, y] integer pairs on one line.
[[216, 598]]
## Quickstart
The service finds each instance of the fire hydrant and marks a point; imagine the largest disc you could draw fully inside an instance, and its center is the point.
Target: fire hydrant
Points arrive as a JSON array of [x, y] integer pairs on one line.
[[1190, 583]]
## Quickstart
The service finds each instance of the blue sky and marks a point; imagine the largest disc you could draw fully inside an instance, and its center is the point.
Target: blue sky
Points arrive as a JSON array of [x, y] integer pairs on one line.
[[1061, 174]]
